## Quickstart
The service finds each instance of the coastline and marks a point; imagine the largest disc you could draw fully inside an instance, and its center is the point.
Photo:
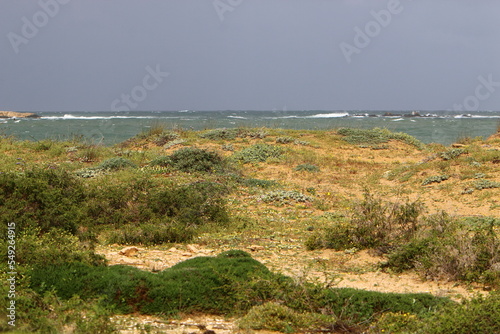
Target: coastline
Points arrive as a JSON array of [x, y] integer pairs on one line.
[[15, 114]]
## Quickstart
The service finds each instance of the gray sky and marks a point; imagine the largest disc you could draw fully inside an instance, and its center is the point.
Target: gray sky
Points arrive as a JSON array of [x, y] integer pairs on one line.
[[71, 55]]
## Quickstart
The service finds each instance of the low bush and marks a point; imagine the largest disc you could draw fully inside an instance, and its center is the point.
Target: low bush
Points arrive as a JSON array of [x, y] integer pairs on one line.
[[41, 198], [480, 315], [377, 136], [358, 306], [164, 138], [307, 168], [196, 160], [456, 249], [54, 247], [221, 134], [116, 164], [259, 183], [160, 232], [284, 140], [258, 153], [372, 224], [435, 179], [162, 161], [285, 197], [202, 284], [452, 154], [277, 317], [485, 184]]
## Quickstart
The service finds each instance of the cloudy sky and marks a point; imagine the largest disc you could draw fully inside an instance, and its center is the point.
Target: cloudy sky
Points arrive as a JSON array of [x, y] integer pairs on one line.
[[76, 55]]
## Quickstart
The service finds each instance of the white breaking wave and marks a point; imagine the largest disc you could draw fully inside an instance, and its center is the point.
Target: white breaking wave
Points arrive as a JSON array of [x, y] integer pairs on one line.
[[72, 117], [331, 115]]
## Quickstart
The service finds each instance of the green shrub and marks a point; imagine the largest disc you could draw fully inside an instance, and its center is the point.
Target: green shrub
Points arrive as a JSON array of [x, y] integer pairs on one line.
[[452, 154], [162, 231], [195, 204], [486, 184], [258, 153], [458, 249], [164, 138], [338, 236], [284, 140], [49, 314], [56, 246], [116, 164], [196, 160], [435, 179], [162, 161], [201, 284], [221, 134], [373, 224], [356, 306], [307, 167], [407, 256], [480, 315], [284, 197], [276, 317], [377, 136], [259, 183], [397, 322], [41, 198]]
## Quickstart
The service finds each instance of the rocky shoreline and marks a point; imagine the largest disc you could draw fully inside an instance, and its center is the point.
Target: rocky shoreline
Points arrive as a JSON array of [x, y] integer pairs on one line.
[[13, 114]]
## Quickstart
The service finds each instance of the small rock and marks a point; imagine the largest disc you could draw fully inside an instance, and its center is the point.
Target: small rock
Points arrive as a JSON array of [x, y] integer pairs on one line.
[[187, 254], [192, 249], [172, 250], [456, 145], [129, 251], [255, 248]]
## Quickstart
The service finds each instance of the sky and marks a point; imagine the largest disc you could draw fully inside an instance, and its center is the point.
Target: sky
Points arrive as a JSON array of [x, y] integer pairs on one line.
[[117, 55]]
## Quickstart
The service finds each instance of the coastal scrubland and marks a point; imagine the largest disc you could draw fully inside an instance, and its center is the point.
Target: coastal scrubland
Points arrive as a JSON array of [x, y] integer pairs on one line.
[[271, 229]]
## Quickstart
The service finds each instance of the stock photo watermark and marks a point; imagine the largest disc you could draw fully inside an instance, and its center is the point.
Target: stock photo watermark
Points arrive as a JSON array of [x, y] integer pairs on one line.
[[31, 26], [486, 87], [11, 265], [139, 93], [363, 37], [222, 7]]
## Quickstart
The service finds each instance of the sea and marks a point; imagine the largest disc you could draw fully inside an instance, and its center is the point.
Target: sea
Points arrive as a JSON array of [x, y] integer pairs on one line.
[[109, 128]]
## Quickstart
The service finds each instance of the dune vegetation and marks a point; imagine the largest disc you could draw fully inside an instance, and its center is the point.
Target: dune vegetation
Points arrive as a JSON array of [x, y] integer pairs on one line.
[[285, 216]]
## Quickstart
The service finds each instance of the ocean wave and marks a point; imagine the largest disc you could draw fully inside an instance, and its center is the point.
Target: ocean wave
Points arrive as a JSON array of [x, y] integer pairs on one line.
[[72, 117], [329, 115]]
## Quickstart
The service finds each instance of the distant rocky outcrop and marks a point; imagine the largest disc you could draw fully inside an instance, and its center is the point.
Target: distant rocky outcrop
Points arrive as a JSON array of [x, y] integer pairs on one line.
[[13, 114]]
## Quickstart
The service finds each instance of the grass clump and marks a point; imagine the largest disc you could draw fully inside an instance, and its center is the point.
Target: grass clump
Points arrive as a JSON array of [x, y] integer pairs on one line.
[[435, 179], [307, 168], [258, 153], [277, 317]]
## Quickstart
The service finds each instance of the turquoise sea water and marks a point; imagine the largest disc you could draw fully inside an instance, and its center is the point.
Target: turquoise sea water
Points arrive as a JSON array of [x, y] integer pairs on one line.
[[109, 128]]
